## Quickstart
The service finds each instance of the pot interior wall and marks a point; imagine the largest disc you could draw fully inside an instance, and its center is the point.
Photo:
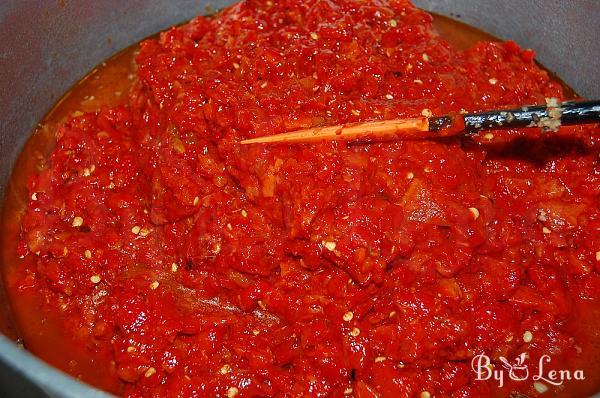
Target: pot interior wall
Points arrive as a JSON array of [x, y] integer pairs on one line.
[[564, 34]]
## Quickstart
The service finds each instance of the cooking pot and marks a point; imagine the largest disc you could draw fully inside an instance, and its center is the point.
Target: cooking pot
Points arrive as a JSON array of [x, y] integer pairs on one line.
[[47, 46]]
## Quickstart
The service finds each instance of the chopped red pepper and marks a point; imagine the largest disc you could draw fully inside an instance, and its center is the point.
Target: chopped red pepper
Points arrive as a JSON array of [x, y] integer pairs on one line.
[[204, 268]]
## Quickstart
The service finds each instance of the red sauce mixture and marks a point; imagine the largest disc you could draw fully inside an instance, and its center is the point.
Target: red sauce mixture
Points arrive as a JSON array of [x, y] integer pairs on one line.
[[168, 260]]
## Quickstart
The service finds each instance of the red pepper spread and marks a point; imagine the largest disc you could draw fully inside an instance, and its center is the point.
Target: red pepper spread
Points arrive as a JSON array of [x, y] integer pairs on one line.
[[200, 267]]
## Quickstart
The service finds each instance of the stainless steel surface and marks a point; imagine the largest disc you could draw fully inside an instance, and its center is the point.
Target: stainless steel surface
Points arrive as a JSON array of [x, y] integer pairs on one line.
[[47, 46]]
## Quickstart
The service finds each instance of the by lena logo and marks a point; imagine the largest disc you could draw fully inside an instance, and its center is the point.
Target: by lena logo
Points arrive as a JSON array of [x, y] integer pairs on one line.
[[518, 370]]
